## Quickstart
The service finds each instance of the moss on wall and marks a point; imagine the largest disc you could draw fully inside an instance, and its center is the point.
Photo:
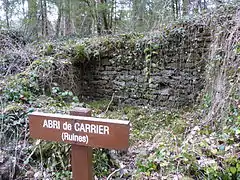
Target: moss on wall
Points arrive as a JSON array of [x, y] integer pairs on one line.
[[160, 68]]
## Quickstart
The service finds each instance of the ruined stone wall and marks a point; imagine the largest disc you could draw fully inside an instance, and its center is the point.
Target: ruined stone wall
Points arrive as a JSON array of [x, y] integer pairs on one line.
[[163, 69]]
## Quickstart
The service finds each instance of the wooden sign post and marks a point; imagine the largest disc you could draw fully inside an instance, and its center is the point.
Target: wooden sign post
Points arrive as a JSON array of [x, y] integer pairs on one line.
[[83, 133], [81, 168]]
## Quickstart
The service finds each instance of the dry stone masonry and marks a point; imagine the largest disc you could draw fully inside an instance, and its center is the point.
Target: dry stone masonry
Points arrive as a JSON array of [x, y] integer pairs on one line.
[[163, 69]]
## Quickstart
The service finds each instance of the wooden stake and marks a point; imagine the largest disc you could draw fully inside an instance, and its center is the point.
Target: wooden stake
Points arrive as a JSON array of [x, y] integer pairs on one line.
[[81, 155]]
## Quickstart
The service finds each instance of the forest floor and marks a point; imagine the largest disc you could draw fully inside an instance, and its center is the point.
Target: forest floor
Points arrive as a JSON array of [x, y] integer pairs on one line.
[[163, 145]]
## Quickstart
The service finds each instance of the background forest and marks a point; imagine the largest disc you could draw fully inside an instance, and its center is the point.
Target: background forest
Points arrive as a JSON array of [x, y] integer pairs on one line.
[[193, 44], [84, 18]]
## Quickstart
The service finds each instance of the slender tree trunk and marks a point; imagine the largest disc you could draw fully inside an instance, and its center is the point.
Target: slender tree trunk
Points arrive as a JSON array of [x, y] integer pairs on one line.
[[23, 7], [141, 13], [173, 10], [97, 18], [42, 18], [67, 18], [199, 5], [32, 17], [115, 16], [111, 14], [104, 14], [176, 6], [134, 13], [139, 9], [205, 4], [6, 5], [45, 18], [59, 5], [185, 7], [96, 24]]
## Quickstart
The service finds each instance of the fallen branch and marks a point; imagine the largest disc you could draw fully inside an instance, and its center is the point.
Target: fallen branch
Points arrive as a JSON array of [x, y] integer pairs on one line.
[[109, 104], [110, 175]]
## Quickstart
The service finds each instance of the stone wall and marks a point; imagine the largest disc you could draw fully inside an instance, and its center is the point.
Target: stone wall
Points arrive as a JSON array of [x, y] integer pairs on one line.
[[163, 69]]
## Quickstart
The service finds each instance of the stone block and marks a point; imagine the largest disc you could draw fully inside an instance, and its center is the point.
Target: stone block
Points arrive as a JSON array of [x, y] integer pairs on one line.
[[119, 83], [163, 92]]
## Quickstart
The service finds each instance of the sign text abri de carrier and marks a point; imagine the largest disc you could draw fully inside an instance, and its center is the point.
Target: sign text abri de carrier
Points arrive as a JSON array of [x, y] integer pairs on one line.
[[87, 131]]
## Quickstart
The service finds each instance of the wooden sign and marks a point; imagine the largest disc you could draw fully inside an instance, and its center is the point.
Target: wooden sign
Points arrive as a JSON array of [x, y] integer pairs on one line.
[[83, 133], [79, 130]]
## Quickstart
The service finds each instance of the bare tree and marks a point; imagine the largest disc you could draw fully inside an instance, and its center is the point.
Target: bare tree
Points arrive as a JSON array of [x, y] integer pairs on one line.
[[185, 4], [59, 5], [6, 6], [32, 18]]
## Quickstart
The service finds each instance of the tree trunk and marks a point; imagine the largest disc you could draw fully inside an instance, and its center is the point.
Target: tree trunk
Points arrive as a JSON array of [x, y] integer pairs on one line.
[[104, 15], [110, 19], [134, 13], [59, 5], [199, 5], [173, 10], [67, 18], [6, 5], [42, 18], [23, 8], [176, 6], [205, 4], [96, 22], [185, 4], [139, 10], [45, 18], [115, 16], [32, 17]]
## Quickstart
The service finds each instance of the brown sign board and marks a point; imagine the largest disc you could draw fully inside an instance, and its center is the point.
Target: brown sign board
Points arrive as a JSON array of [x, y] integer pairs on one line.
[[80, 130]]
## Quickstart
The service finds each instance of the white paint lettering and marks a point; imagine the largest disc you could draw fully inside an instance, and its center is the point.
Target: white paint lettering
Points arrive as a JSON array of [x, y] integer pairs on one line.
[[45, 124], [52, 124], [76, 126], [100, 127], [82, 128], [106, 130], [91, 128], [74, 137], [87, 127]]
